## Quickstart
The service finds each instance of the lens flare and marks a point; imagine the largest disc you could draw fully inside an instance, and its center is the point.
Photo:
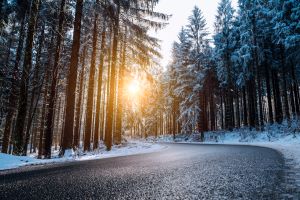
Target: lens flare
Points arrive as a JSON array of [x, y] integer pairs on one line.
[[134, 88]]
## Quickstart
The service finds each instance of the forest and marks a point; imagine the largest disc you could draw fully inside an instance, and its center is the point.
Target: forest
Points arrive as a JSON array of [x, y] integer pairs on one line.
[[245, 76], [77, 74]]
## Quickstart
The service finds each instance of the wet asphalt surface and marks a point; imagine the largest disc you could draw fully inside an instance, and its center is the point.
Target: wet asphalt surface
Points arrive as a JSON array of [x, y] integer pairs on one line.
[[181, 171]]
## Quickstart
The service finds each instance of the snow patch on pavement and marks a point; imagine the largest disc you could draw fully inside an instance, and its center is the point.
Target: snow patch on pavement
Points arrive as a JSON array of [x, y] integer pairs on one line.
[[129, 148]]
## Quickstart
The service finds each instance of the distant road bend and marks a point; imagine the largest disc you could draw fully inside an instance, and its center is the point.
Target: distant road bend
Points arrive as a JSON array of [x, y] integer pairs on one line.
[[182, 171]]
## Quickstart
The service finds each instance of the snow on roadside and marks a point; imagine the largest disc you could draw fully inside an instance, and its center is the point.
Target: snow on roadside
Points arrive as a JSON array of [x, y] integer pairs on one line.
[[129, 148], [285, 138]]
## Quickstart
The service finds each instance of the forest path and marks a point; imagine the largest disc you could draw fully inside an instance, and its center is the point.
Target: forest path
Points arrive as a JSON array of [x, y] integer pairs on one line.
[[182, 171]]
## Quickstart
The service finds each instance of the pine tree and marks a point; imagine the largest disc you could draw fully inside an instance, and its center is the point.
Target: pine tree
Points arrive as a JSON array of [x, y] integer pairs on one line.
[[223, 52]]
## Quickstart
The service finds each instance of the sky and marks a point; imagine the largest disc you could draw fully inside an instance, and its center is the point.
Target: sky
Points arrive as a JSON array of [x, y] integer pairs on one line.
[[180, 11]]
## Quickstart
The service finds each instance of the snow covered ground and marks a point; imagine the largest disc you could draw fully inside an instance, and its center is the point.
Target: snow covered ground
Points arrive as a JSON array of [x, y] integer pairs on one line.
[[128, 148]]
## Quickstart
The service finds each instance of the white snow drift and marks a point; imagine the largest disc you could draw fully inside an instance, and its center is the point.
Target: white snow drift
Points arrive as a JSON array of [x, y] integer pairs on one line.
[[129, 148]]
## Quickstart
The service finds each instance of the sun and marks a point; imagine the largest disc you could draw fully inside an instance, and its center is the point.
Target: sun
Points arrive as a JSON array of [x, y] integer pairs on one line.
[[134, 88]]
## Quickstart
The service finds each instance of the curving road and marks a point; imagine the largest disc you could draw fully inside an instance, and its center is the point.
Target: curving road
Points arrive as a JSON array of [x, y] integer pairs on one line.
[[182, 171]]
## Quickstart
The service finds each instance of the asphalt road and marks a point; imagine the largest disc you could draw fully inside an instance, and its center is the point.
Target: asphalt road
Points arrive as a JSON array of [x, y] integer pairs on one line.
[[182, 171]]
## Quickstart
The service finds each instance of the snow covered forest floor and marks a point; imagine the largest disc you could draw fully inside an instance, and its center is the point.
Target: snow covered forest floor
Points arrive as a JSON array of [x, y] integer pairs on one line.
[[128, 148]]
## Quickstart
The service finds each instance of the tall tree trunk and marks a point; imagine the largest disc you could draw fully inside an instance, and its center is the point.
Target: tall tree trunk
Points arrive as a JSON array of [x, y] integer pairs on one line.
[[111, 101], [201, 121], [228, 110], [285, 96], [254, 69], [119, 117], [105, 132], [277, 97], [269, 94], [34, 133], [98, 127], [22, 108], [292, 100], [43, 116], [36, 91], [204, 110], [12, 101], [260, 105], [67, 140], [45, 95], [222, 110], [296, 89], [251, 104], [212, 113], [79, 101], [238, 118], [54, 76], [102, 119], [245, 111], [91, 89]]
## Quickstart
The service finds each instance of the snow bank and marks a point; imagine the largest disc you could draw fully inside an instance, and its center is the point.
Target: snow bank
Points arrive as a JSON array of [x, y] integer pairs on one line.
[[129, 148], [9, 161]]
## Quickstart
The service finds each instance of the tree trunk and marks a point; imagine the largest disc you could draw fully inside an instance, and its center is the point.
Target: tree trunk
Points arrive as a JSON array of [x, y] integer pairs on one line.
[[285, 96], [222, 111], [292, 100], [111, 102], [260, 105], [296, 89], [119, 117], [22, 108], [45, 93], [105, 132], [254, 69], [44, 112], [245, 111], [229, 110], [36, 91], [67, 140], [98, 127], [79, 101], [91, 89], [238, 119], [52, 98], [269, 94], [277, 97], [212, 113], [12, 101], [201, 122]]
